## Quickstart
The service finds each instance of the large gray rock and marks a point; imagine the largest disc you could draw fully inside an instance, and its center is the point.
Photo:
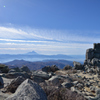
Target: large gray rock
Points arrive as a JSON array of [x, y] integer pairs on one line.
[[52, 68], [46, 69], [24, 69], [37, 79], [16, 69], [41, 74], [67, 67], [78, 65], [28, 90], [16, 74]]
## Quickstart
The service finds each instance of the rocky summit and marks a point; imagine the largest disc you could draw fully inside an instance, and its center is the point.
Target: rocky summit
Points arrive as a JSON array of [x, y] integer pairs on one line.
[[93, 55], [81, 82], [92, 62]]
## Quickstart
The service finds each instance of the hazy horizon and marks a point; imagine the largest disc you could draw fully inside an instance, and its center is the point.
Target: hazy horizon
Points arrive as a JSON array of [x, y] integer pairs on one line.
[[40, 54], [50, 27]]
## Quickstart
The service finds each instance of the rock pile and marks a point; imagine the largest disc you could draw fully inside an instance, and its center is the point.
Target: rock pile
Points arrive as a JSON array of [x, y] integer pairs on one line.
[[92, 62]]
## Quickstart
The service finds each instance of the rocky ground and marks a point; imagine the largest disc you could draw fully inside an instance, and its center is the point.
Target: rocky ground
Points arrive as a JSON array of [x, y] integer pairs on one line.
[[50, 83]]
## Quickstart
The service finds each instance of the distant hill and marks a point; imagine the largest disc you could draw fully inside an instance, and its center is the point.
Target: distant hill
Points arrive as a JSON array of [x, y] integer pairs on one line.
[[39, 64]]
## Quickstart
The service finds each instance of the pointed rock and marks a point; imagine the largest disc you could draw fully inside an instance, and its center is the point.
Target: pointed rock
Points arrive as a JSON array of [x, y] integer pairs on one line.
[[28, 90]]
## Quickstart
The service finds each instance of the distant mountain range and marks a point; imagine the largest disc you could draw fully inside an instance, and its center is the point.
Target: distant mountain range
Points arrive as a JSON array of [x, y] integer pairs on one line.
[[39, 64], [33, 56]]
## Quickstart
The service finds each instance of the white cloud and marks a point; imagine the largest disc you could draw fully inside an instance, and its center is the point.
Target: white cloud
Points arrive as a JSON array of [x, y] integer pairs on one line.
[[12, 33], [26, 41], [45, 41], [56, 35], [60, 48]]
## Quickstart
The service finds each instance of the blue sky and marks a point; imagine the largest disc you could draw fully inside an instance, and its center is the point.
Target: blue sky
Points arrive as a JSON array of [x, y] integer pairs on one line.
[[49, 26]]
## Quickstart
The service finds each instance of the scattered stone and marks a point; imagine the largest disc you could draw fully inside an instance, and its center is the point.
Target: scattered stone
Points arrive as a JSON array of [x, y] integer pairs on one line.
[[79, 86], [67, 85], [87, 84], [51, 74], [73, 89], [75, 82], [92, 88]]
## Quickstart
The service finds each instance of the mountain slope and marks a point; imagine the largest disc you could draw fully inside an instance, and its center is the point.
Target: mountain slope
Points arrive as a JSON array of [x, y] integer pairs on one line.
[[39, 64]]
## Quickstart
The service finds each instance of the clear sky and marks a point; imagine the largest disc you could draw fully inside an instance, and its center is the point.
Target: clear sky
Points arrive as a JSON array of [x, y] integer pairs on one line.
[[49, 26]]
